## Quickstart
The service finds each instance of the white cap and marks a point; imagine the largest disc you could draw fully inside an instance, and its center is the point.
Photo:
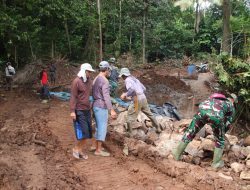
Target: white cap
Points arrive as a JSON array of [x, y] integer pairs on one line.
[[124, 71], [85, 67]]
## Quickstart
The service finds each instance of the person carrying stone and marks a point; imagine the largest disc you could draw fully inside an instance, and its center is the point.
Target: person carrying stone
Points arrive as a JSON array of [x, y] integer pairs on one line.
[[9, 73], [80, 107], [218, 111], [136, 90]]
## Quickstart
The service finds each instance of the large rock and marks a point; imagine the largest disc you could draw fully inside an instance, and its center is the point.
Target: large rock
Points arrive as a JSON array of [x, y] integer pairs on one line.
[[119, 129], [248, 164], [193, 149], [182, 123], [245, 151], [237, 167], [226, 177], [151, 137], [121, 118], [205, 131], [232, 139], [236, 149], [167, 142], [207, 144], [247, 141], [245, 175], [139, 134], [142, 118]]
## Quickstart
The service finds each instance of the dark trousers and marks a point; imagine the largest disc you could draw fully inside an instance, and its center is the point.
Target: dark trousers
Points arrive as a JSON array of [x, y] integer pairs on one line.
[[45, 92], [9, 81]]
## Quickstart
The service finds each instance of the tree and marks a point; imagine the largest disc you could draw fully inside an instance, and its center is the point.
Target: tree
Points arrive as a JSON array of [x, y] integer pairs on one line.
[[226, 38], [100, 29]]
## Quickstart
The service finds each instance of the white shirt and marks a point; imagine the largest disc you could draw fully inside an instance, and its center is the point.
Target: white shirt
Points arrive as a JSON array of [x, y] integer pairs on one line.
[[8, 70]]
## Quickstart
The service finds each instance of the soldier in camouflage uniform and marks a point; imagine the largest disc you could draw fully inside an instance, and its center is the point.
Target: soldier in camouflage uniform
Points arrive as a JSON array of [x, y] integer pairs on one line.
[[218, 111]]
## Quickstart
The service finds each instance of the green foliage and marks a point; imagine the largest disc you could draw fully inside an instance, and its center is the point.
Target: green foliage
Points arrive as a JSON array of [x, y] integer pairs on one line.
[[234, 75], [42, 28]]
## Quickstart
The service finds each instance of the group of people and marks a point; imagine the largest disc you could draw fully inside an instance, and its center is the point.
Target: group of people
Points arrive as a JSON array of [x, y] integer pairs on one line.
[[218, 111], [101, 90]]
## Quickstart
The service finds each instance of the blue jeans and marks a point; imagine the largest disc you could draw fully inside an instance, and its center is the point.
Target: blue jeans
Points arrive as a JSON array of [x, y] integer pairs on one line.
[[101, 119]]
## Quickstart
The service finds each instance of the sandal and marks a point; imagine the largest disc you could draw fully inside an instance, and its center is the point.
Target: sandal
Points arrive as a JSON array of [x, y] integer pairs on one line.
[[93, 148], [102, 153], [79, 155]]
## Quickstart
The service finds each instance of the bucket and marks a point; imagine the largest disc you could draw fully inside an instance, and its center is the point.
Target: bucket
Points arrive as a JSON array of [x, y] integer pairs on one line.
[[191, 69]]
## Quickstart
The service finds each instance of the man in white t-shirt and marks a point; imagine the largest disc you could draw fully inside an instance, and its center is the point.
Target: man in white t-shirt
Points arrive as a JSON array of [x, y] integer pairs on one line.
[[9, 73]]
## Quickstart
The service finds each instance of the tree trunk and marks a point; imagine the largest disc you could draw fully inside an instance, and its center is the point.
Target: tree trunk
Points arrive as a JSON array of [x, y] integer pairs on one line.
[[67, 34], [130, 41], [4, 3], [100, 29], [143, 35], [52, 49], [226, 38], [120, 26], [16, 60], [31, 49], [197, 17]]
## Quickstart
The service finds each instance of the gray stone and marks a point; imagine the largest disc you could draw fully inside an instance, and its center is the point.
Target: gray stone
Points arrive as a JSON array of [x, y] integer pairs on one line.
[[151, 137], [247, 141], [245, 151], [248, 164], [207, 144], [193, 148], [140, 134], [237, 167], [232, 139], [236, 149], [245, 175], [225, 176]]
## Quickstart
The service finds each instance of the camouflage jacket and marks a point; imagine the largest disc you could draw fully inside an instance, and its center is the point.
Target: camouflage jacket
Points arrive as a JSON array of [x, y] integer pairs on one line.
[[220, 108]]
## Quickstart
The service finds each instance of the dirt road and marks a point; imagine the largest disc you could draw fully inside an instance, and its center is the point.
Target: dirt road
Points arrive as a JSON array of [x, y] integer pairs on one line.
[[36, 142]]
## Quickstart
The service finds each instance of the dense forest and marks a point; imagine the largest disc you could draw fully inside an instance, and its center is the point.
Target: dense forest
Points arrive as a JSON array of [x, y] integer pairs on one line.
[[148, 29]]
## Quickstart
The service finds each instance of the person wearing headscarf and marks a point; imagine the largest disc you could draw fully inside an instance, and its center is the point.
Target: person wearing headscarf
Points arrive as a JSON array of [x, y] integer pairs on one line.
[[80, 107]]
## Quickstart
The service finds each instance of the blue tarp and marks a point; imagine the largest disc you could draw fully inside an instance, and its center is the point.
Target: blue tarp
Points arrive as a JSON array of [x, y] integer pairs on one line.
[[65, 96], [166, 110]]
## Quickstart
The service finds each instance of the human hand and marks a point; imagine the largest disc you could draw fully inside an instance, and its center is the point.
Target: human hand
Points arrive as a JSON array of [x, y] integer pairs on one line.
[[73, 115], [123, 96], [113, 114]]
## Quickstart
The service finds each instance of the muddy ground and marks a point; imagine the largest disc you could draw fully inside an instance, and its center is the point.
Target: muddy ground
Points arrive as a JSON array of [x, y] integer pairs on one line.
[[36, 144]]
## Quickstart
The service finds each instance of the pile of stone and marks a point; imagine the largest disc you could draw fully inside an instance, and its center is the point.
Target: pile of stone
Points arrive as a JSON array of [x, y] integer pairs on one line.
[[199, 151]]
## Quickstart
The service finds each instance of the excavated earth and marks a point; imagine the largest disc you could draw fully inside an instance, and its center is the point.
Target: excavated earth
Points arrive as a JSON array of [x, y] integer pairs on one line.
[[36, 143]]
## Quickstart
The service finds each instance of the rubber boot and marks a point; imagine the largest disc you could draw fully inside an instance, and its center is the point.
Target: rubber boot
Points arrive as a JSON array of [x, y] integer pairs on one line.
[[177, 152], [158, 129], [128, 128], [217, 162]]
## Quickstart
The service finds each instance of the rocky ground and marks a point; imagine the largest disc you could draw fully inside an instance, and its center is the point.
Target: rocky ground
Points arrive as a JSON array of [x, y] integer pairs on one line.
[[36, 143]]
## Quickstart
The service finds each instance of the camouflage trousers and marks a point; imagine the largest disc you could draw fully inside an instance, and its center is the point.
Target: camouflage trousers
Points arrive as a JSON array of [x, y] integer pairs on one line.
[[113, 86], [199, 120]]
